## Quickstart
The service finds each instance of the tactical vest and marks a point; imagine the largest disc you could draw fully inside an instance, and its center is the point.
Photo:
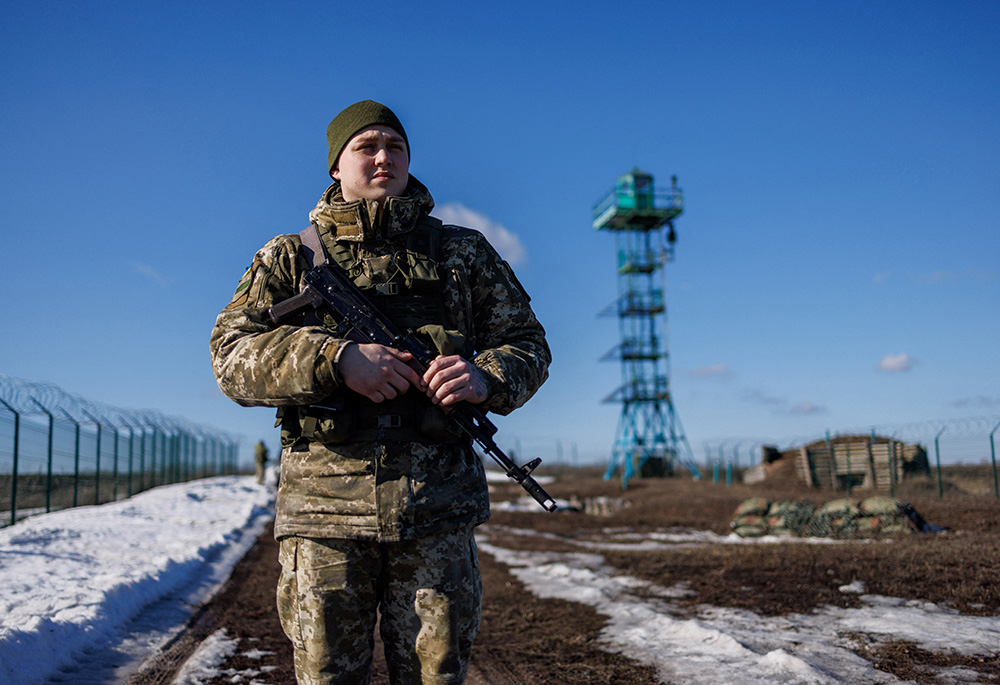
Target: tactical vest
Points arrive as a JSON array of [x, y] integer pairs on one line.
[[404, 283]]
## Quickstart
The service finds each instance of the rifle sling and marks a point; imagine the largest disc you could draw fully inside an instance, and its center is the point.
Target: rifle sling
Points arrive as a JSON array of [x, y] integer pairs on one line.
[[313, 247]]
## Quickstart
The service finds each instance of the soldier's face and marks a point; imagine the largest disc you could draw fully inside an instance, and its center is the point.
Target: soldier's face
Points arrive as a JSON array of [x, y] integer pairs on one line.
[[373, 165]]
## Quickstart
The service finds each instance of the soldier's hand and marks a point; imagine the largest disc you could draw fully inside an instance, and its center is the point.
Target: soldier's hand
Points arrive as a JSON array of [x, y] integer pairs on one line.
[[378, 372], [453, 379]]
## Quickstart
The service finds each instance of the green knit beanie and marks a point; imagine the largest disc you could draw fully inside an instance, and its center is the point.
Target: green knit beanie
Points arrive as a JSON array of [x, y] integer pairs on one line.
[[354, 118]]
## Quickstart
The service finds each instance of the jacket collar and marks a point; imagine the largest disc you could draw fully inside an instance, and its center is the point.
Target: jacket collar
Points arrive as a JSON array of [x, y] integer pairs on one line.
[[359, 220]]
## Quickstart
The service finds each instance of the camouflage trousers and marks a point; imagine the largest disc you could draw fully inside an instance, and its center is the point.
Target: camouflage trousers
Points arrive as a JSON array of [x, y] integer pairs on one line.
[[428, 592]]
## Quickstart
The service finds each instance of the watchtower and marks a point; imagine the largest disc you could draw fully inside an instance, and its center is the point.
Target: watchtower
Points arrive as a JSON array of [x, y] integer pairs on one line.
[[649, 440]]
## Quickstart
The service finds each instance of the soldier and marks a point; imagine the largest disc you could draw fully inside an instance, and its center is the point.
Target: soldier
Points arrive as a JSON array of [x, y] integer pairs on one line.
[[260, 460], [379, 495]]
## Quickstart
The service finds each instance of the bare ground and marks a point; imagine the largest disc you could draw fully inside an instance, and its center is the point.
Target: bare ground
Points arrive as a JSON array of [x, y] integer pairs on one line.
[[525, 640]]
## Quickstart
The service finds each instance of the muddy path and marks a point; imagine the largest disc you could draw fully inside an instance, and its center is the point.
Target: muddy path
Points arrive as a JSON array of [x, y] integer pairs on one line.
[[522, 640], [527, 640]]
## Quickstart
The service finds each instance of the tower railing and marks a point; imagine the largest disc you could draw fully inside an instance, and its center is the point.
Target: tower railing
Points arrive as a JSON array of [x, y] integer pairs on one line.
[[620, 208]]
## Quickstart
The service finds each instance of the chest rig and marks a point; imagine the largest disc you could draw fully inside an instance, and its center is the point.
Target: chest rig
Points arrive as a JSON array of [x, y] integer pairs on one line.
[[401, 277]]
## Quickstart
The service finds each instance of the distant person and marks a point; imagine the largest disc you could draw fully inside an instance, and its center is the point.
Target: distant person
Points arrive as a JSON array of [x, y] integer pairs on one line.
[[378, 493], [260, 460]]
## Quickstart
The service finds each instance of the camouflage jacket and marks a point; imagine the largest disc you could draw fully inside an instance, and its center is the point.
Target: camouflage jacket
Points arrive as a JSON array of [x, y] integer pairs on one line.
[[376, 489]]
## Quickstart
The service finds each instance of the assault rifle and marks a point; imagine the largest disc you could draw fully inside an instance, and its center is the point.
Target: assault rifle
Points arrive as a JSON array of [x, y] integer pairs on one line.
[[329, 290]]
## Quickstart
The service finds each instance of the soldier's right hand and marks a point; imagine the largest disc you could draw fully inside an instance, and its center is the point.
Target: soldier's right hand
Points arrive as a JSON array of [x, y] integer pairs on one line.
[[378, 372]]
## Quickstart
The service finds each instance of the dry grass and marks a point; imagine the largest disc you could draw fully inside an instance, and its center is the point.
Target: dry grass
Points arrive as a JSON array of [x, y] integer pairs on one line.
[[957, 568], [532, 641]]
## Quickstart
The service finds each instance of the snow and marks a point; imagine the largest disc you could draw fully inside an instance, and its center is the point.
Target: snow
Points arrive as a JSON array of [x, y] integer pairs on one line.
[[722, 645], [203, 664], [92, 592]]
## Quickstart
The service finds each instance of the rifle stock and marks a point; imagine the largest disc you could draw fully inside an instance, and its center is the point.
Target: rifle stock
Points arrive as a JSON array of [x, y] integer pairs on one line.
[[329, 288]]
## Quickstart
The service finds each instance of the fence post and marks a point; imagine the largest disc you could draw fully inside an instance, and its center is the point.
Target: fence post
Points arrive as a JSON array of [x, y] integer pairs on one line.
[[97, 463], [167, 461], [176, 463], [182, 455], [142, 459], [76, 458], [871, 463], [171, 462], [892, 467], [48, 470], [937, 452], [131, 454], [152, 458], [13, 475], [114, 468], [993, 456], [192, 445]]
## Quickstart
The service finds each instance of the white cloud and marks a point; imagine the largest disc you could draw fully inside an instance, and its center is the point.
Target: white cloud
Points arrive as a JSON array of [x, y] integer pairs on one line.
[[896, 362], [760, 397], [781, 406], [978, 402], [946, 276], [939, 276], [805, 407], [506, 243], [150, 273], [713, 371]]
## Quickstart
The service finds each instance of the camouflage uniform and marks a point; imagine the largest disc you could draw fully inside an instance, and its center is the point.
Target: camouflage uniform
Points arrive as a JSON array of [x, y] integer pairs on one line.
[[377, 488], [428, 590]]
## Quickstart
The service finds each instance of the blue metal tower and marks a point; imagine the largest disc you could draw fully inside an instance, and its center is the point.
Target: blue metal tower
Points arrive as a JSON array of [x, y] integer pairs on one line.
[[649, 440]]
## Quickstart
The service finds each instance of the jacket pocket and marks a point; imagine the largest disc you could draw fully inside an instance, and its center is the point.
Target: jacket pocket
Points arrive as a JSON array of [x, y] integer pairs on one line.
[[288, 592]]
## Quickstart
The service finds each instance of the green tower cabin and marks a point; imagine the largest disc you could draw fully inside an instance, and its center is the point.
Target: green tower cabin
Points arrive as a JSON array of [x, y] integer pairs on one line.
[[649, 440]]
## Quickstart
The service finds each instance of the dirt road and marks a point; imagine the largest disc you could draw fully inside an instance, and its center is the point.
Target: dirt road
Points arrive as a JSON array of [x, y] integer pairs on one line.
[[524, 640]]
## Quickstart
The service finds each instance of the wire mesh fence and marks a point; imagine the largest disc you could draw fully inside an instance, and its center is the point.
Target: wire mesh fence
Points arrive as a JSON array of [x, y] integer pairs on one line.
[[944, 442], [59, 450]]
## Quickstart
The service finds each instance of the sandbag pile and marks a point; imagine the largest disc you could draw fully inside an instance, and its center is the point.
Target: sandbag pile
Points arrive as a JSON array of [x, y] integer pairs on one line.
[[840, 518]]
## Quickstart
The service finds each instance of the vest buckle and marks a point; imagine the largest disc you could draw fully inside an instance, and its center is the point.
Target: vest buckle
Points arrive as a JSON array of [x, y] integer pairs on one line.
[[390, 421]]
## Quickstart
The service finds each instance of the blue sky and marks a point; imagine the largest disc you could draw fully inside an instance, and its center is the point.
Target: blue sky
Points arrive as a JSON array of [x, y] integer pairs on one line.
[[838, 262]]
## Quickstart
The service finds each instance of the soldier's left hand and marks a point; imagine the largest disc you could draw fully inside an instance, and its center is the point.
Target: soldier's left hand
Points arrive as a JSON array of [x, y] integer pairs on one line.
[[453, 379]]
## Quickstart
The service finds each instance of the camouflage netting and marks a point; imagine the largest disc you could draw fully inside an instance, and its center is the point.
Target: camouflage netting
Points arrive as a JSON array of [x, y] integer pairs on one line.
[[841, 518]]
